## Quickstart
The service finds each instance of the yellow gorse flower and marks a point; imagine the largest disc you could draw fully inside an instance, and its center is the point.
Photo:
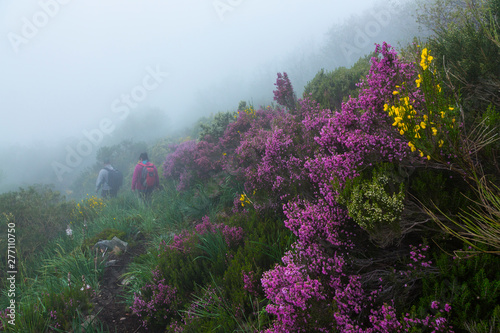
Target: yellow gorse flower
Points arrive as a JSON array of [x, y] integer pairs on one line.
[[425, 59], [418, 81], [425, 126], [89, 207], [244, 200]]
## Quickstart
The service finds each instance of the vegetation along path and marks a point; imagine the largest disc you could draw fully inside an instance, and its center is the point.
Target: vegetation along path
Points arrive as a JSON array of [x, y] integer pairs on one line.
[[109, 304]]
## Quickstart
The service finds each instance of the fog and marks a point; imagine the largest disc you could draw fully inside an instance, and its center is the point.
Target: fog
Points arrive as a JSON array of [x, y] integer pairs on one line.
[[73, 71]]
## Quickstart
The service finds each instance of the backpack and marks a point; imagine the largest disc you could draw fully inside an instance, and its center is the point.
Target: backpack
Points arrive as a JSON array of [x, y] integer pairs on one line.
[[115, 178], [148, 176]]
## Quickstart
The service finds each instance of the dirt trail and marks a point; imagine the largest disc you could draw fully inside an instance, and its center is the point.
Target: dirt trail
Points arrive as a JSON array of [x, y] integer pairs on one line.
[[108, 305]]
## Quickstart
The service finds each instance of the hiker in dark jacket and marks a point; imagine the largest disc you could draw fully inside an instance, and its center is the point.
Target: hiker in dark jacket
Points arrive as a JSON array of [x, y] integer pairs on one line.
[[145, 178], [103, 180]]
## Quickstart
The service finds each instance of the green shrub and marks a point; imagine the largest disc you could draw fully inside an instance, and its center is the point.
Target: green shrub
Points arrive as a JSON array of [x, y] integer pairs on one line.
[[440, 188], [330, 89], [470, 57], [471, 284], [216, 125], [375, 205], [39, 214]]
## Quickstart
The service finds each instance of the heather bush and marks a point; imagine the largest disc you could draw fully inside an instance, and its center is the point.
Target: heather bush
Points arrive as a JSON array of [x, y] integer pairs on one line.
[[349, 184], [274, 159], [318, 268], [192, 161], [156, 305], [235, 300], [284, 94], [192, 255]]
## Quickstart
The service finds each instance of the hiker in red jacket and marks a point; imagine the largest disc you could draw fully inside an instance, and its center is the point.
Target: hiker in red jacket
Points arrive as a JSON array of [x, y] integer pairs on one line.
[[145, 178]]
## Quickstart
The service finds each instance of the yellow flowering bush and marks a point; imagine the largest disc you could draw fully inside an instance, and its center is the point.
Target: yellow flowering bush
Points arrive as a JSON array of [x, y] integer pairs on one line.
[[425, 116], [250, 111], [88, 208], [244, 200]]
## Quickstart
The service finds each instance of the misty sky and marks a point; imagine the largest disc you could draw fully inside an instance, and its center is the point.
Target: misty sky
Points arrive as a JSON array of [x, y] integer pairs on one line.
[[66, 65]]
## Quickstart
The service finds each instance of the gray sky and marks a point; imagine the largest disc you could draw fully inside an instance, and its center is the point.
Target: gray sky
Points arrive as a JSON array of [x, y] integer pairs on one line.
[[68, 66]]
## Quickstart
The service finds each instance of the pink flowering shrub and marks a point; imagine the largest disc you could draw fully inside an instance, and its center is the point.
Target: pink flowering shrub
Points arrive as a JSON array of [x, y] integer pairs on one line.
[[191, 161], [60, 307], [284, 93], [297, 161], [319, 269], [250, 283], [385, 320], [274, 157], [157, 303], [183, 242]]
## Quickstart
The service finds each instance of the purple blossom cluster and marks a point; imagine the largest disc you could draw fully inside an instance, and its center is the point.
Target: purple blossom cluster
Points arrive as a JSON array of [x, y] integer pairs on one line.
[[250, 283], [385, 320], [418, 257], [284, 93], [55, 323], [155, 302], [183, 242], [192, 160]]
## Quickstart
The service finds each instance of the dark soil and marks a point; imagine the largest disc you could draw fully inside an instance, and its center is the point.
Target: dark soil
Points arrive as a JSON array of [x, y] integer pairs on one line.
[[109, 306]]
